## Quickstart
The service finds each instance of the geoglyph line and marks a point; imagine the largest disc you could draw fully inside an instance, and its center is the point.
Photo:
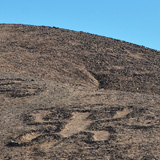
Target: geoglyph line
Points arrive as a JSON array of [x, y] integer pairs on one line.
[[79, 122]]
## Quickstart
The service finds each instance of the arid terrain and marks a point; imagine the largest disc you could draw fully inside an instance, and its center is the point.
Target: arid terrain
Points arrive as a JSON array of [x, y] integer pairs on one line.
[[74, 95]]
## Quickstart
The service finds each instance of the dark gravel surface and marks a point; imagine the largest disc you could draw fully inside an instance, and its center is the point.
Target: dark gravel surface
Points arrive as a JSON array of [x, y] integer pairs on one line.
[[74, 95]]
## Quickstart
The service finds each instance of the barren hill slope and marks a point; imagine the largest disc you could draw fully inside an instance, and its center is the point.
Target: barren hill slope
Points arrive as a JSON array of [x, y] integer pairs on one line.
[[74, 95]]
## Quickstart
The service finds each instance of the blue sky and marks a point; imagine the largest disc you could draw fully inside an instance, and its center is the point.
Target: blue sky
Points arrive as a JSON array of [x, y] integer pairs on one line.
[[136, 21]]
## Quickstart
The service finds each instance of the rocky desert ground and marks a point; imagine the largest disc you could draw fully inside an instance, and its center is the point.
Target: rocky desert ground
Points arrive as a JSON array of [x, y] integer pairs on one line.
[[74, 95]]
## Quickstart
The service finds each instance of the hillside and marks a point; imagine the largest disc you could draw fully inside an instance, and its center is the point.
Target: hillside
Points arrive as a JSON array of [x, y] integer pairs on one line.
[[75, 95]]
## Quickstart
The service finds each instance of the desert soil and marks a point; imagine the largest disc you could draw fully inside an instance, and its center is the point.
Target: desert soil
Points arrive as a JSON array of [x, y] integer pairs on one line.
[[74, 95]]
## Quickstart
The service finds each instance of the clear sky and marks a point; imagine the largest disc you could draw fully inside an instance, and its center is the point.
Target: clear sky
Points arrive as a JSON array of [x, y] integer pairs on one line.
[[136, 21]]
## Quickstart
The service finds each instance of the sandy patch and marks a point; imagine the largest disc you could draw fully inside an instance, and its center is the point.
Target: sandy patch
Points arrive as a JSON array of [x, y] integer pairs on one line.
[[100, 135], [38, 117], [29, 136], [79, 123], [76, 124], [121, 114]]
